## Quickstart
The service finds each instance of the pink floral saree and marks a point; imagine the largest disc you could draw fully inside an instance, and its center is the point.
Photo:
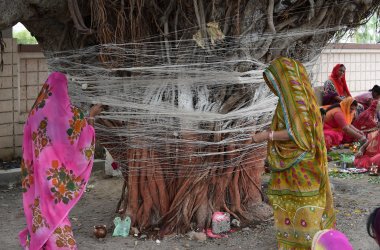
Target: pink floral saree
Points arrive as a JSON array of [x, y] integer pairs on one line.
[[58, 149]]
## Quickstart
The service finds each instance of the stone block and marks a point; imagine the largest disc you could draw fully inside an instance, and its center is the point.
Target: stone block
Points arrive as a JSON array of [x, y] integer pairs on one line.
[[22, 92], [32, 65], [7, 58], [18, 151], [18, 140], [30, 103], [6, 154], [42, 65], [15, 58], [15, 70], [6, 94], [42, 76], [6, 82], [32, 79], [23, 81], [20, 117], [8, 45], [19, 128], [6, 118], [6, 129], [32, 92], [7, 71], [6, 141], [14, 45], [23, 65], [6, 106]]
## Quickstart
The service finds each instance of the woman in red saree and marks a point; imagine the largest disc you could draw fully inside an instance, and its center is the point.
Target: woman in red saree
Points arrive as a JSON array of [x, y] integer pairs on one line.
[[337, 126], [369, 153], [335, 88], [367, 120], [58, 149]]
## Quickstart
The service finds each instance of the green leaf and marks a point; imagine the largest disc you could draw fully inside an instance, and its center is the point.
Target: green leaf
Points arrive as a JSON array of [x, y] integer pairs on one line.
[[42, 104], [70, 131], [62, 175], [71, 186], [24, 37], [65, 200]]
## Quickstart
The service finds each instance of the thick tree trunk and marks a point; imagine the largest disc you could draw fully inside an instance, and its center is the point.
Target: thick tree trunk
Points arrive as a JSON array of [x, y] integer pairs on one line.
[[167, 186]]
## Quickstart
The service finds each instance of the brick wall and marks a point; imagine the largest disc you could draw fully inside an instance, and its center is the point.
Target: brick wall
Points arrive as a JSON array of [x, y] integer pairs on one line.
[[362, 63], [25, 70]]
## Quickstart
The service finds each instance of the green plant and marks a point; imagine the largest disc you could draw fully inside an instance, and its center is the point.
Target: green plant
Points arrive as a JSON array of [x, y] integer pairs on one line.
[[24, 37]]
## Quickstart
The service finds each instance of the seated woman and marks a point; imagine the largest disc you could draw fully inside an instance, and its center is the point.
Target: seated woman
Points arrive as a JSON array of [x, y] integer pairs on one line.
[[369, 153], [337, 126], [335, 88], [367, 120], [366, 98]]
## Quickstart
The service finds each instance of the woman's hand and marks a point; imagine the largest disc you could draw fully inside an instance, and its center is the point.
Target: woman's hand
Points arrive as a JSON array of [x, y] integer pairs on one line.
[[360, 152], [96, 110], [363, 139], [260, 137]]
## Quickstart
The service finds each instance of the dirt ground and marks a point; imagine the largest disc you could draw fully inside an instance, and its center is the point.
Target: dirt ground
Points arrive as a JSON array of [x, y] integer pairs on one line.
[[354, 196]]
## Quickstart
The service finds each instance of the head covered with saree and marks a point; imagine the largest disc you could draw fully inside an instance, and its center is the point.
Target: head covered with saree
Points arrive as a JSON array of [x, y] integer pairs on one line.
[[295, 112], [347, 108], [339, 80], [330, 240], [299, 190], [58, 148], [366, 120]]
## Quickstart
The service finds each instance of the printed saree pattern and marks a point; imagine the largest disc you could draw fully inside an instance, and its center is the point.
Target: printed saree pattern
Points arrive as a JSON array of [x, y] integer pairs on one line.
[[55, 167], [299, 189]]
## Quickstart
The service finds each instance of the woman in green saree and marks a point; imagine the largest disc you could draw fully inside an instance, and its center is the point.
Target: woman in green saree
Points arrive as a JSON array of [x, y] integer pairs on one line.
[[299, 189]]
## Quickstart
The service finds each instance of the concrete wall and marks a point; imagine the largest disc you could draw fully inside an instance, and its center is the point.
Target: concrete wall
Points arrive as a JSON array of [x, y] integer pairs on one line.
[[362, 63], [25, 70]]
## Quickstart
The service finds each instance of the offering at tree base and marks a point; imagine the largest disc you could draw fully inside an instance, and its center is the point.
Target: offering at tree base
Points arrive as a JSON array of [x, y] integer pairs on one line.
[[220, 222], [100, 231], [122, 226], [374, 170]]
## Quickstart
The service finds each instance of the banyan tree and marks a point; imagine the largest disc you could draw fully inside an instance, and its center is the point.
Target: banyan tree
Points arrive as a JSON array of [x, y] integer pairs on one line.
[[183, 90]]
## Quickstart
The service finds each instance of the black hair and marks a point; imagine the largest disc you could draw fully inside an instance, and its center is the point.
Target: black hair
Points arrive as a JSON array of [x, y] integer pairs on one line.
[[338, 105], [373, 226], [323, 111], [376, 89]]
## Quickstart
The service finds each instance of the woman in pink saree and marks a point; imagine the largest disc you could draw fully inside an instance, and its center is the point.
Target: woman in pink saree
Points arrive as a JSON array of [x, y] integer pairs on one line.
[[57, 160]]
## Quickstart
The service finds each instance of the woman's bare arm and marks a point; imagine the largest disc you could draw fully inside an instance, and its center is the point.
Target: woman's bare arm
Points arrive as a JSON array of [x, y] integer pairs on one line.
[[281, 135]]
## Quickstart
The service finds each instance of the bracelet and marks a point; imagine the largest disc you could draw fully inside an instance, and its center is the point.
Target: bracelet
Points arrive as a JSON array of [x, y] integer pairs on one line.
[[90, 118], [271, 135]]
